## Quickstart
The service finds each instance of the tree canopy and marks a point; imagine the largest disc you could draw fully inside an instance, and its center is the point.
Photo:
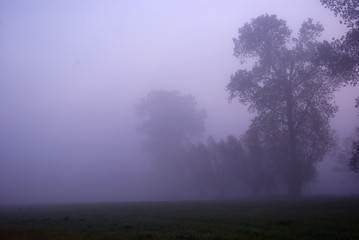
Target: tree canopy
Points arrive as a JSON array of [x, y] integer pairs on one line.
[[347, 9], [287, 86], [168, 115], [344, 54]]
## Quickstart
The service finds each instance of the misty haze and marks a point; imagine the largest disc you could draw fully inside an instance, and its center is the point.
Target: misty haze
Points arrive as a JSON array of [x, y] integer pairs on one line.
[[178, 102]]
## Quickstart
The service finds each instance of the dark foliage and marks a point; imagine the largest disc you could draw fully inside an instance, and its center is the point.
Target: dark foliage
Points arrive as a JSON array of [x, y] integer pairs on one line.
[[347, 9], [289, 89], [344, 54], [216, 165], [354, 160]]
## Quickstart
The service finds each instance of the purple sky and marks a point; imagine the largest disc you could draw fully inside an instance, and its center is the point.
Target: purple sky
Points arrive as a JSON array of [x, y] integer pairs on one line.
[[71, 73]]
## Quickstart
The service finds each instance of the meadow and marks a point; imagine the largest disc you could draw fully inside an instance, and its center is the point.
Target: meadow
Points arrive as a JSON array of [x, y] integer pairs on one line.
[[307, 218]]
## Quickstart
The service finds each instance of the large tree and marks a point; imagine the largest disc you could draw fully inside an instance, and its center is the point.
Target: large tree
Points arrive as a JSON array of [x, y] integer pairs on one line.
[[287, 86]]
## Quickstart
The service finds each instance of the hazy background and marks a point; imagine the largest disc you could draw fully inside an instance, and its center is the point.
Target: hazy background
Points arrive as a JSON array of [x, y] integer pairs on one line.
[[71, 73]]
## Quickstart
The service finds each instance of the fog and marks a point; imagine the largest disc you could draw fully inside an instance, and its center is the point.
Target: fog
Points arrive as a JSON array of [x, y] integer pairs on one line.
[[72, 74]]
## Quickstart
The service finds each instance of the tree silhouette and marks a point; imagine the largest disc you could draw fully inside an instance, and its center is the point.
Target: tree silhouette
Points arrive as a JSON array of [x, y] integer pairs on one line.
[[216, 165], [342, 56], [347, 9], [287, 86], [169, 121], [201, 167], [354, 160], [228, 165], [264, 157]]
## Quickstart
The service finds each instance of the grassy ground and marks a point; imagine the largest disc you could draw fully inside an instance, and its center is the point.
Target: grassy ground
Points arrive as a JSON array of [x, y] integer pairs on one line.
[[315, 218]]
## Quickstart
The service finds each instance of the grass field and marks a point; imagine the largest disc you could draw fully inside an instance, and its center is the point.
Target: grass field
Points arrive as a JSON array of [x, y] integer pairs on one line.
[[309, 218]]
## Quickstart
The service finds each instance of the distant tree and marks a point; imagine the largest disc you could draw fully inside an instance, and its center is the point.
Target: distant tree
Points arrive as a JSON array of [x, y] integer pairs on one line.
[[289, 86], [354, 159], [215, 164], [201, 167], [343, 154], [170, 121], [228, 162]]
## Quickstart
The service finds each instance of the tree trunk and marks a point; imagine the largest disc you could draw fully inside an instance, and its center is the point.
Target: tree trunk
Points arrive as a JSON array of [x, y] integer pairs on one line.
[[294, 180], [294, 169]]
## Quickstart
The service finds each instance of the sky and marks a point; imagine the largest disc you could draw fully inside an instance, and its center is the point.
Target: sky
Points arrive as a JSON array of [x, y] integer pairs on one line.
[[72, 72]]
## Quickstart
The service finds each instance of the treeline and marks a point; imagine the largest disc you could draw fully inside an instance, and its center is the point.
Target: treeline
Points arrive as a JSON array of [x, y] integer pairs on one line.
[[222, 165], [290, 87], [173, 127]]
